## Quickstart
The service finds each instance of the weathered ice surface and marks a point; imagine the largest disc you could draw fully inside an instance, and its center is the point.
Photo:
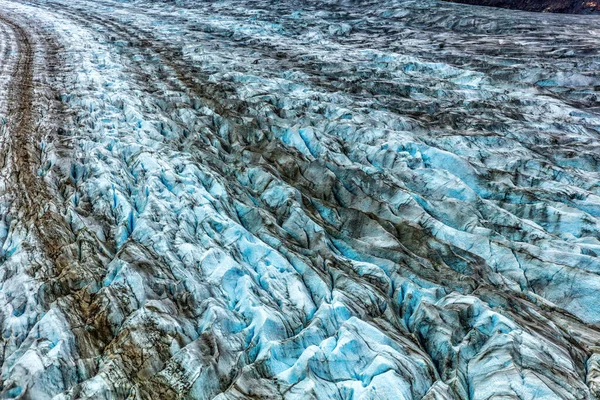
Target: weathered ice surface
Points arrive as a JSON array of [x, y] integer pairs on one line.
[[301, 200], [557, 6]]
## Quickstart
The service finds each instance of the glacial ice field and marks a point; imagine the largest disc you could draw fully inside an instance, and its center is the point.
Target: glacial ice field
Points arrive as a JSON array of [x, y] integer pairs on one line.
[[317, 199]]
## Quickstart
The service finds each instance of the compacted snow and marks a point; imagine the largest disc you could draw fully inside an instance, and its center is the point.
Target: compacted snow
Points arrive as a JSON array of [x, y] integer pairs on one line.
[[316, 199]]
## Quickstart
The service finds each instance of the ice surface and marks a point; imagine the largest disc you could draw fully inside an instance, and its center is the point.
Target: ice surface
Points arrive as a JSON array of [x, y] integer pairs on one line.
[[328, 200]]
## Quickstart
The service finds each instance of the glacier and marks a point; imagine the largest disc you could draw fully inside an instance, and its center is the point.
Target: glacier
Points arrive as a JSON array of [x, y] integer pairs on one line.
[[317, 200]]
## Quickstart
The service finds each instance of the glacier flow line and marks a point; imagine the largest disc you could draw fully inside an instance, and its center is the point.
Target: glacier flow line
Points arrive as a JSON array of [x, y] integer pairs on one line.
[[27, 191]]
